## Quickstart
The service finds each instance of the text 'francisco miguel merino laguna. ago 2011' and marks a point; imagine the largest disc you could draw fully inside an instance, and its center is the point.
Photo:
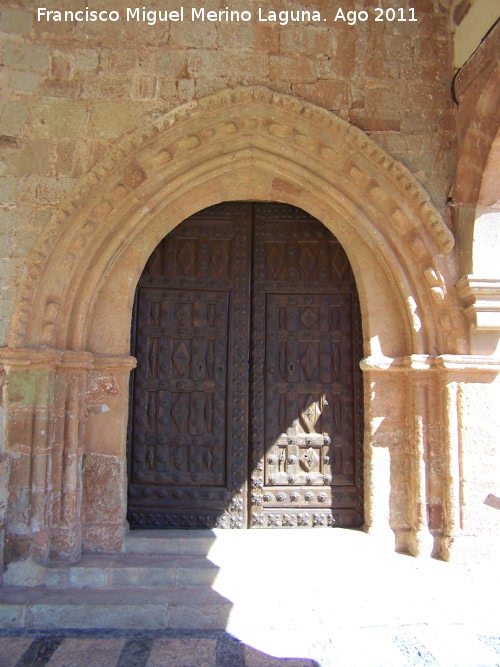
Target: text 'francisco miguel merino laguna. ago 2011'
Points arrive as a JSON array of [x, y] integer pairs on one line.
[[194, 14]]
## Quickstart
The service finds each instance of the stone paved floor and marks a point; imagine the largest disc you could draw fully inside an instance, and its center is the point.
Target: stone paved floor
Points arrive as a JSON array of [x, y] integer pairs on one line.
[[335, 599], [365, 647]]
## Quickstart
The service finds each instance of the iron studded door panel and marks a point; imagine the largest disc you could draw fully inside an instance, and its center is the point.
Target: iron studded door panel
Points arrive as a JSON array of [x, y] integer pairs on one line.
[[189, 436], [306, 394], [188, 429]]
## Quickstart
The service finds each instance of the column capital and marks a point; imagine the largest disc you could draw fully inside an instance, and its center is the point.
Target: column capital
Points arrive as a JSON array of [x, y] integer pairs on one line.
[[41, 357], [482, 301]]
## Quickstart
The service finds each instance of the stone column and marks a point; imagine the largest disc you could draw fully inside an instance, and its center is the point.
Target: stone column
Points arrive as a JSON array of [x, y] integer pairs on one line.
[[67, 453], [104, 462], [65, 416], [386, 464], [403, 451], [28, 391], [420, 382], [451, 469]]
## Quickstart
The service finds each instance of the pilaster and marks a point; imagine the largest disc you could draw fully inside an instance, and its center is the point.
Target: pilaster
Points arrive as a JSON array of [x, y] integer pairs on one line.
[[432, 453], [47, 397], [470, 390]]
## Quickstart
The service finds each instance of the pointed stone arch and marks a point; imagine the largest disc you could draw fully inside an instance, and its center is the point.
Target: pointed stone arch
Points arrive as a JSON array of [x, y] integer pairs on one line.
[[72, 321], [248, 143]]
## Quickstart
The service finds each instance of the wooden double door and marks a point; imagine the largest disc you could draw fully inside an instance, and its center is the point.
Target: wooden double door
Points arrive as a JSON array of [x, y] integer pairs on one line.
[[246, 403]]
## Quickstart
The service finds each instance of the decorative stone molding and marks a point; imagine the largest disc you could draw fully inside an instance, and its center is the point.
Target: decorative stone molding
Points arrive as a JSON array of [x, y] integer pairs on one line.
[[434, 396], [421, 362], [39, 358], [398, 364], [482, 301], [74, 311], [240, 144]]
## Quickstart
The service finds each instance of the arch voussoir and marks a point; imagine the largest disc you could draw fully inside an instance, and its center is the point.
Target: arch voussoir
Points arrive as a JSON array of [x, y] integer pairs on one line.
[[338, 155], [243, 144]]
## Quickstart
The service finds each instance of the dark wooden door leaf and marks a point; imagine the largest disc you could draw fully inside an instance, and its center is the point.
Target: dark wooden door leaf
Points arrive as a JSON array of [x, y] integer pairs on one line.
[[246, 404]]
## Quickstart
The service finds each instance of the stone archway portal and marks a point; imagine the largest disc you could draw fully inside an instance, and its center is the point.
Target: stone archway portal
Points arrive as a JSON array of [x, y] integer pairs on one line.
[[236, 282]]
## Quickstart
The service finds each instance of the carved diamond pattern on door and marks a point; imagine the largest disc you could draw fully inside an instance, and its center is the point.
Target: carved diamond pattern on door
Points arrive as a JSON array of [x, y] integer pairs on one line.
[[306, 412], [188, 439], [309, 360], [192, 399], [219, 257], [186, 256], [307, 260]]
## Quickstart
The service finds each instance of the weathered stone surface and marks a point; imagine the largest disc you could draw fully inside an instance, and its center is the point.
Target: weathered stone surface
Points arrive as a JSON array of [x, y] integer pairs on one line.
[[13, 118], [24, 573], [27, 56], [103, 494], [16, 21], [110, 119], [100, 161], [104, 651], [60, 118]]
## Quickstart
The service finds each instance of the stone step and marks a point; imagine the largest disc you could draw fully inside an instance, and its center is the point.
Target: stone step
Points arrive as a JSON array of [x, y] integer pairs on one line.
[[135, 608], [248, 580], [171, 542], [166, 558], [162, 580], [115, 572]]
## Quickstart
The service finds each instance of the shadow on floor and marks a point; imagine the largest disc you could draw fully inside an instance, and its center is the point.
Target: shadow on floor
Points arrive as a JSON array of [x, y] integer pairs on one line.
[[113, 648]]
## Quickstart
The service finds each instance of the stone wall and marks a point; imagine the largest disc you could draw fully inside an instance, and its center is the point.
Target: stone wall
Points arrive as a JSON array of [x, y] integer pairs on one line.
[[90, 160], [73, 90]]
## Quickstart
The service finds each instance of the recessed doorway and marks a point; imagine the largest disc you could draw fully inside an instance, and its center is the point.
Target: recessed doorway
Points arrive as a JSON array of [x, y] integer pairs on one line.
[[247, 401]]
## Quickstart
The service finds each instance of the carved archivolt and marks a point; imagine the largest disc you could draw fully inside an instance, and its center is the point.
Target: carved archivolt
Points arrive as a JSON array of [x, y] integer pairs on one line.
[[245, 144], [248, 143]]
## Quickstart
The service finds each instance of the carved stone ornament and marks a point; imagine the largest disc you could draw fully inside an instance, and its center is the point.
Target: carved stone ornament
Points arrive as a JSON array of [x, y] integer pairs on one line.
[[309, 459], [167, 165]]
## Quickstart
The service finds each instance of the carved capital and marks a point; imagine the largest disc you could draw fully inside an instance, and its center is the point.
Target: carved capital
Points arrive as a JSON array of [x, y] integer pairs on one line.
[[482, 301], [31, 357], [426, 363], [420, 362]]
